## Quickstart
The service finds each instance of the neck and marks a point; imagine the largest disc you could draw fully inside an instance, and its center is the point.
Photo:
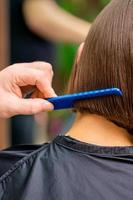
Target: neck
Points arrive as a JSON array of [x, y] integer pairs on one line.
[[97, 130]]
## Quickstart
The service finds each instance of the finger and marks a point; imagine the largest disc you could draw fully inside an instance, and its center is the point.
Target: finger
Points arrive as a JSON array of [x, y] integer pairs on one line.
[[46, 89], [45, 92], [42, 66], [34, 65], [40, 79], [39, 65], [32, 106]]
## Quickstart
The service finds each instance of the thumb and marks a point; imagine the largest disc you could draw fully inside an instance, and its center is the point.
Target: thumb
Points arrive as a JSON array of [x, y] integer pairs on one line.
[[33, 106]]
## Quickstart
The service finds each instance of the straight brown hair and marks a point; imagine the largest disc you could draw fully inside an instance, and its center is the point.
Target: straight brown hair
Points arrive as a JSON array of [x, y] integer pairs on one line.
[[107, 61]]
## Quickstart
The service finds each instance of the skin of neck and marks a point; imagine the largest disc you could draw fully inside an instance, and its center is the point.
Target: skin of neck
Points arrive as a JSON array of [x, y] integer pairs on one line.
[[95, 129]]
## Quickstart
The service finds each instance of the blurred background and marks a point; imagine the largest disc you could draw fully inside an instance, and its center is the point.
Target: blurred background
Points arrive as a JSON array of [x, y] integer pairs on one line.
[[45, 30]]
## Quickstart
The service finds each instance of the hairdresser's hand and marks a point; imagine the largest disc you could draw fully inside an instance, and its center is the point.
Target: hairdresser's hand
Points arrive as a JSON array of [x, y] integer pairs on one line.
[[18, 79]]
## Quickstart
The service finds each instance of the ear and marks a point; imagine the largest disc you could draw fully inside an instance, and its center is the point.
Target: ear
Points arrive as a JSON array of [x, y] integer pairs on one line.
[[79, 52]]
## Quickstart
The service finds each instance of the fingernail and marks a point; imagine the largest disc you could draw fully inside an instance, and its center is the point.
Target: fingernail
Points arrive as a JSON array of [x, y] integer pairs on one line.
[[48, 106], [52, 93]]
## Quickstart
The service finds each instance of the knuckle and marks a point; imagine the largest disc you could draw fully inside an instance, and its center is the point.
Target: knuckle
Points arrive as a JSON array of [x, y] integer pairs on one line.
[[36, 109], [50, 71], [43, 65], [49, 67], [37, 63]]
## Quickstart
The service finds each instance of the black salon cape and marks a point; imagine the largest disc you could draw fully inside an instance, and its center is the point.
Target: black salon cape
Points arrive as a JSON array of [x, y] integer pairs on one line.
[[66, 169]]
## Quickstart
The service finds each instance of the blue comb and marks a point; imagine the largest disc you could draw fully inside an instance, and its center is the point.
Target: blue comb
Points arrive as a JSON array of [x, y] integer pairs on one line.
[[67, 101]]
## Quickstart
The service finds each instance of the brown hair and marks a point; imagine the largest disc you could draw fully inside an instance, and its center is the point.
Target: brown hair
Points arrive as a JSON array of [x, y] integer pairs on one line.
[[107, 61]]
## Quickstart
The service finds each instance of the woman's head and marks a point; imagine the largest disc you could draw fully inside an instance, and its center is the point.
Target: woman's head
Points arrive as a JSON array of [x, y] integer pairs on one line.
[[107, 61]]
